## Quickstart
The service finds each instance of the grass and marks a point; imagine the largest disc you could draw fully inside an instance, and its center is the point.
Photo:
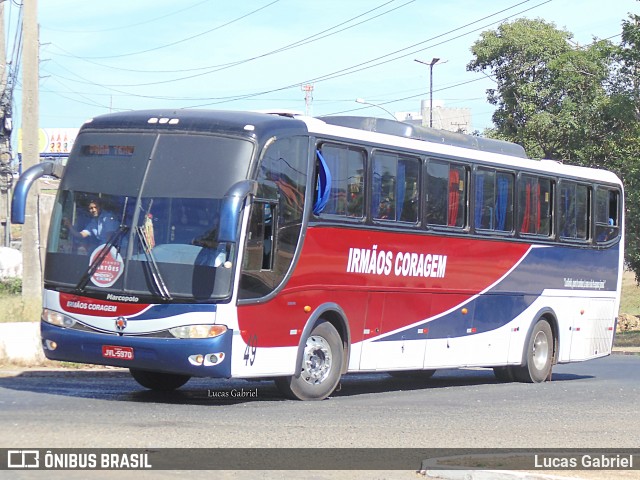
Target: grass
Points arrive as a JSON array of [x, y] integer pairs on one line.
[[12, 309], [630, 298], [627, 339]]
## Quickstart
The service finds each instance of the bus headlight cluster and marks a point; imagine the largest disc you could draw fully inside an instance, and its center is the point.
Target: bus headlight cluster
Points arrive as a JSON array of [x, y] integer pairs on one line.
[[57, 318], [198, 331]]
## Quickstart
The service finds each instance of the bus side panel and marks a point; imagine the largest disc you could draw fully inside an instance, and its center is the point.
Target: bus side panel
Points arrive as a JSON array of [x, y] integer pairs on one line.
[[271, 332], [451, 301], [404, 353]]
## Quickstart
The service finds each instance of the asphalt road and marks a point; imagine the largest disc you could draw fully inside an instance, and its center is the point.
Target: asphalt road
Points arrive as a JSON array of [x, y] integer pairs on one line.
[[592, 404], [589, 404]]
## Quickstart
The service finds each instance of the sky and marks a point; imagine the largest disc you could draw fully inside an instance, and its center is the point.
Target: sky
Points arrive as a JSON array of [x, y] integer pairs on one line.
[[99, 57]]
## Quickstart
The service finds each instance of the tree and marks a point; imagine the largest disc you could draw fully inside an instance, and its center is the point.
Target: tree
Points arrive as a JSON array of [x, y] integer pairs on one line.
[[577, 104], [625, 104]]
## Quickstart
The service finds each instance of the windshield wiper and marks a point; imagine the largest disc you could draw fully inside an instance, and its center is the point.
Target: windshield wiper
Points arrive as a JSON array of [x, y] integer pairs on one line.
[[152, 266], [97, 261]]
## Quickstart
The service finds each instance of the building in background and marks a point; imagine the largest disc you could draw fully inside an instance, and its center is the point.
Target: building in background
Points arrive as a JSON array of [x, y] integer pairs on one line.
[[53, 143], [443, 118]]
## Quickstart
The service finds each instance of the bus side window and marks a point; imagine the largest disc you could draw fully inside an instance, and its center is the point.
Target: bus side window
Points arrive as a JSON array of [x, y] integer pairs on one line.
[[607, 223], [446, 195], [574, 211], [346, 197], [259, 252], [494, 200], [534, 205], [394, 194]]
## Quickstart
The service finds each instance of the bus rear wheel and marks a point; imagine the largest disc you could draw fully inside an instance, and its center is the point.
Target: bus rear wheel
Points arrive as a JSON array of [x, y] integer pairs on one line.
[[161, 382], [321, 365], [539, 355]]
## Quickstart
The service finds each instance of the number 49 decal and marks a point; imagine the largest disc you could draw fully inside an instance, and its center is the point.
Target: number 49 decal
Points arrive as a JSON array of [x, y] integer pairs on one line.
[[250, 351]]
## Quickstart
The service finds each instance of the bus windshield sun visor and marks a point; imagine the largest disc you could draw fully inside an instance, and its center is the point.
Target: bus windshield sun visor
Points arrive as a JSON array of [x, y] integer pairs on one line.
[[323, 187]]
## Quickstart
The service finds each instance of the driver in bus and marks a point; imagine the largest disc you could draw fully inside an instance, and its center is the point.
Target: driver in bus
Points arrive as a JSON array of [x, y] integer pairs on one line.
[[99, 228]]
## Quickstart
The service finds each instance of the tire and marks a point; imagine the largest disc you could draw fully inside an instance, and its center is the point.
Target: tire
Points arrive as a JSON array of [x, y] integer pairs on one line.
[[539, 355], [503, 374], [160, 382], [321, 365], [412, 374]]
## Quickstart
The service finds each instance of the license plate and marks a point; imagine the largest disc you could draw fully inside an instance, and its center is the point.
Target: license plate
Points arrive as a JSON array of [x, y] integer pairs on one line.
[[119, 353]]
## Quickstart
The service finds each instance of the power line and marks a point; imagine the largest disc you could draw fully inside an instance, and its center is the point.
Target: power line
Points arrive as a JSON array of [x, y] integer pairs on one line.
[[215, 68], [336, 74], [411, 97], [368, 64], [160, 47], [123, 27]]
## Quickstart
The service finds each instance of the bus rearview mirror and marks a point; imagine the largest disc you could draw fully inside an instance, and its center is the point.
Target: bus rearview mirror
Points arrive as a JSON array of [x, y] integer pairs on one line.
[[232, 205]]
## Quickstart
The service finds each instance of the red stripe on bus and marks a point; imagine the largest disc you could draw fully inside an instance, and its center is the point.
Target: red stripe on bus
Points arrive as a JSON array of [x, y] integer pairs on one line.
[[99, 308], [397, 292]]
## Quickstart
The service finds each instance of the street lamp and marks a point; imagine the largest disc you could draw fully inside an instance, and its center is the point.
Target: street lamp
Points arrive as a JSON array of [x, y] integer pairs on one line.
[[362, 101], [430, 65]]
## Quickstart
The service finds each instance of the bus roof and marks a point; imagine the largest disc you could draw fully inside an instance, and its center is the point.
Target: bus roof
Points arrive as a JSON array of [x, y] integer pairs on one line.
[[449, 144], [370, 130], [252, 124], [445, 137]]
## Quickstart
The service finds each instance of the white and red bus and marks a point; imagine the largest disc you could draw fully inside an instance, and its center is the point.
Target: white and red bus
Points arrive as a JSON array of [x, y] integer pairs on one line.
[[239, 244]]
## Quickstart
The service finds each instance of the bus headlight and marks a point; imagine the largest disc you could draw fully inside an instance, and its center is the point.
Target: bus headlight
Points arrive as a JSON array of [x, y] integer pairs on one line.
[[57, 318], [198, 331]]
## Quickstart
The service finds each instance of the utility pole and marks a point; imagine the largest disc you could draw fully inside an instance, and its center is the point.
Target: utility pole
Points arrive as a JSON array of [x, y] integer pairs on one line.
[[31, 263], [430, 65], [5, 157]]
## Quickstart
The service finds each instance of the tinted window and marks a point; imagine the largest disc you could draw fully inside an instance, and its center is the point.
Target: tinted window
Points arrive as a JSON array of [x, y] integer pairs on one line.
[[607, 220], [394, 189], [493, 200], [534, 205], [276, 217], [574, 211], [346, 166], [446, 196]]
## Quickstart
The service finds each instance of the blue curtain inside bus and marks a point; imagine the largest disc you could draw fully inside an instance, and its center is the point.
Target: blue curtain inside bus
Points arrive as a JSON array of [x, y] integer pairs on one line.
[[501, 202], [323, 187]]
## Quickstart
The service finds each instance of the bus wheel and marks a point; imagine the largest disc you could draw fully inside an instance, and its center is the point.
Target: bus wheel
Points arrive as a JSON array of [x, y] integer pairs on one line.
[[539, 355], [412, 374], [321, 364], [162, 382]]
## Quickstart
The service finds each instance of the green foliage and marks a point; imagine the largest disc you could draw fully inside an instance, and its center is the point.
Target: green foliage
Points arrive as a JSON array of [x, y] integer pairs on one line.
[[580, 105], [11, 286]]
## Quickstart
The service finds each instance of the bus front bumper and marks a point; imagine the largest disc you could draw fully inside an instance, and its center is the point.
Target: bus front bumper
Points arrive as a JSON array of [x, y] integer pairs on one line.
[[202, 357]]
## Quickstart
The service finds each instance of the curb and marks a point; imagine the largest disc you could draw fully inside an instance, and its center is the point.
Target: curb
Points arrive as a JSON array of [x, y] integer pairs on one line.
[[492, 475], [455, 468], [20, 343]]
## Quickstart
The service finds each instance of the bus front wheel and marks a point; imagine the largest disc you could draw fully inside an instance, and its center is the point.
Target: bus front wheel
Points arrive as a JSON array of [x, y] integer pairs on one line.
[[539, 355], [162, 382], [321, 365]]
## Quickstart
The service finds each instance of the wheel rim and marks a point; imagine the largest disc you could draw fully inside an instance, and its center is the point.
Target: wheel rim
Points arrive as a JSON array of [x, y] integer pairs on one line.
[[540, 351], [317, 360]]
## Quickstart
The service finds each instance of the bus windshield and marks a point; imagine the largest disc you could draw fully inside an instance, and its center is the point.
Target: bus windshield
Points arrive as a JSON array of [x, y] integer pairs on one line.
[[142, 217]]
